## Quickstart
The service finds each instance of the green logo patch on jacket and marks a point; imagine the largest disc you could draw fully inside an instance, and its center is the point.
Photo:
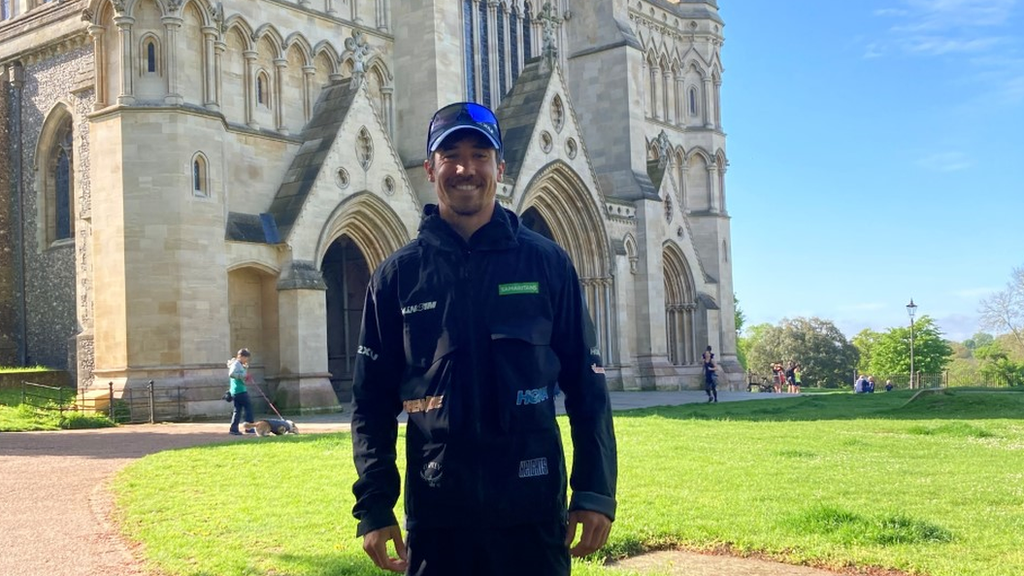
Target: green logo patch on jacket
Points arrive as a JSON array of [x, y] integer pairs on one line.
[[519, 288]]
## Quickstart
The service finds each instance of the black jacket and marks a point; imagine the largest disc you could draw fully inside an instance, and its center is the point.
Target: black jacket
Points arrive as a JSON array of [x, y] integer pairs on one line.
[[470, 339]]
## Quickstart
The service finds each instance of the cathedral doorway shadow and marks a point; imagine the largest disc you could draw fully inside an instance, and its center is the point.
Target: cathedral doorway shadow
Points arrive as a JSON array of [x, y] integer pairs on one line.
[[346, 274]]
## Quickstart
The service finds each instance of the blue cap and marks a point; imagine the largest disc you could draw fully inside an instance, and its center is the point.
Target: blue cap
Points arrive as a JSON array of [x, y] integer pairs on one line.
[[463, 115]]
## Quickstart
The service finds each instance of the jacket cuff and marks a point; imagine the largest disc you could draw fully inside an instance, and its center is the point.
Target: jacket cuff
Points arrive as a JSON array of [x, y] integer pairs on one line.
[[375, 521], [594, 502]]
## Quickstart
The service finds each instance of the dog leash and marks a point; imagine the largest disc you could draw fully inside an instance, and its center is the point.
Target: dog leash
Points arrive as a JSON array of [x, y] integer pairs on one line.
[[269, 403]]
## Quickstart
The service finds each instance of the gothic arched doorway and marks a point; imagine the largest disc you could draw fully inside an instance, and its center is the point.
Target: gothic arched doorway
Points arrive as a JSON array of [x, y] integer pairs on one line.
[[346, 273]]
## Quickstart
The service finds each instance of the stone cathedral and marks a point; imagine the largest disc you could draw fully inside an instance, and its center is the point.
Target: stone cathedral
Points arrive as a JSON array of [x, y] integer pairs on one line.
[[182, 178]]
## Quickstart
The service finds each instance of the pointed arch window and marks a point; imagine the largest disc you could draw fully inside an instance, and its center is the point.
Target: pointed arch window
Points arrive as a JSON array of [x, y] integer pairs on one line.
[[527, 33], [513, 31], [200, 176], [692, 102], [59, 182], [149, 55], [485, 51], [263, 89], [468, 25], [502, 53], [5, 9]]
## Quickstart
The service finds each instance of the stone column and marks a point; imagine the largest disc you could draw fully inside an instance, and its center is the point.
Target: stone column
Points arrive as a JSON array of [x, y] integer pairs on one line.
[[382, 15], [667, 96], [127, 90], [210, 69], [329, 8], [655, 93], [388, 94], [304, 384], [308, 99], [171, 26], [718, 103], [708, 120], [280, 66], [250, 88], [714, 203], [99, 66], [355, 12], [218, 49]]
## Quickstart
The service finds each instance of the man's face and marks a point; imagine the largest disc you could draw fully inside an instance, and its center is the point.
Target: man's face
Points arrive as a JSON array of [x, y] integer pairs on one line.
[[465, 171]]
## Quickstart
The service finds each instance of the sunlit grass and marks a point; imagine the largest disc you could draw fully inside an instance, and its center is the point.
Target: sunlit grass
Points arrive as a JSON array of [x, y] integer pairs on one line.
[[933, 486]]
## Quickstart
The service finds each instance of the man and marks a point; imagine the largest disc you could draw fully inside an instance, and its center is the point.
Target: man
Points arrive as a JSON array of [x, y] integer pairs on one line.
[[468, 329]]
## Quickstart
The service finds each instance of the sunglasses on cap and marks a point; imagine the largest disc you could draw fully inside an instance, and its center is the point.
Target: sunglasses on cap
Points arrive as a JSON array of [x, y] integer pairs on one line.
[[468, 115]]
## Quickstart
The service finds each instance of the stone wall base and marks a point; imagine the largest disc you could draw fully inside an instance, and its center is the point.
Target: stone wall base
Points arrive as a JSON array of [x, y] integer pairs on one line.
[[306, 394]]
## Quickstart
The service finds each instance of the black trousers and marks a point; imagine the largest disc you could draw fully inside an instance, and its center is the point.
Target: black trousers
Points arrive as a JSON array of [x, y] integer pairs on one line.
[[526, 550]]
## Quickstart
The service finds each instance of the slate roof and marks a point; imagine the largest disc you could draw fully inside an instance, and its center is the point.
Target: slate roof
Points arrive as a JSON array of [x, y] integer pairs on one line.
[[519, 111], [317, 138]]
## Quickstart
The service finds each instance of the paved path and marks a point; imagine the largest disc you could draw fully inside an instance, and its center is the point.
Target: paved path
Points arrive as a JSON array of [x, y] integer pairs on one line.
[[55, 503]]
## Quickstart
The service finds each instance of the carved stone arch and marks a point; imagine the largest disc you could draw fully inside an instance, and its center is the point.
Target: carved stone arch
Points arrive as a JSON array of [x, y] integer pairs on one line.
[[327, 62], [697, 184], [371, 224], [297, 87], [632, 252], [380, 84], [297, 41], [573, 218], [54, 165], [238, 24], [680, 306], [269, 33], [560, 197], [202, 8]]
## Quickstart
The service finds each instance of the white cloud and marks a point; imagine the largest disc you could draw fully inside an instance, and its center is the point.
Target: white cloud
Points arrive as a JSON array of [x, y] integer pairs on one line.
[[974, 293], [945, 162]]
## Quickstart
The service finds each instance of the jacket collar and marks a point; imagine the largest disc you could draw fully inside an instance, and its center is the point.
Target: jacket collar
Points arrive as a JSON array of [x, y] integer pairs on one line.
[[498, 234]]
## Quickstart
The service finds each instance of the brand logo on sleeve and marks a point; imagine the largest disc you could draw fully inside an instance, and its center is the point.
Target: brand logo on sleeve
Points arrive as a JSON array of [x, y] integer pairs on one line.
[[518, 288], [421, 307], [535, 396], [368, 352], [533, 468]]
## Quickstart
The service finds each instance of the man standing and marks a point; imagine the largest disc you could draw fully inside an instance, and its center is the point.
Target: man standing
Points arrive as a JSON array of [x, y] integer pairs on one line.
[[468, 329]]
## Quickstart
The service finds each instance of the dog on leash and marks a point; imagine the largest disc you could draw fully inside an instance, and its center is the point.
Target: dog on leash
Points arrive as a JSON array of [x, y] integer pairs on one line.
[[271, 426]]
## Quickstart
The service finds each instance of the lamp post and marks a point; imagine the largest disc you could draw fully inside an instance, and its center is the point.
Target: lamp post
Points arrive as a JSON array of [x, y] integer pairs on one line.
[[911, 310]]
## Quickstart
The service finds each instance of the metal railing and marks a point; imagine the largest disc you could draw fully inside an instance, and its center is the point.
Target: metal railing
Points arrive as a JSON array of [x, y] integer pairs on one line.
[[153, 404], [43, 397]]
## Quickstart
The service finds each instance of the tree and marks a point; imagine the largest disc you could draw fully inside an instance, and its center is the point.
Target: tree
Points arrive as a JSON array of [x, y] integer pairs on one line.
[[891, 353], [865, 341], [1004, 311], [826, 356], [997, 367], [741, 319]]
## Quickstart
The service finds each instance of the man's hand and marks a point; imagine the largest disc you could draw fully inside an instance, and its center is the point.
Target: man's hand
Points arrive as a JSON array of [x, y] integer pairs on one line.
[[596, 527], [375, 544]]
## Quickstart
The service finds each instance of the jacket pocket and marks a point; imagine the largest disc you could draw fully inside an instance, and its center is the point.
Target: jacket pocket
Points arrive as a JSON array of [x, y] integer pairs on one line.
[[526, 373]]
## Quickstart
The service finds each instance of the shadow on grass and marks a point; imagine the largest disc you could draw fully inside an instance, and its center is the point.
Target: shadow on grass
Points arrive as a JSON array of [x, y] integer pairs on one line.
[[951, 404]]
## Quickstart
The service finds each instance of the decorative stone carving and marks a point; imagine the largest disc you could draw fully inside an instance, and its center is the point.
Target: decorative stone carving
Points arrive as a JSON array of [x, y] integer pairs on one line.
[[87, 15], [549, 19], [357, 48], [364, 149], [118, 6], [664, 147]]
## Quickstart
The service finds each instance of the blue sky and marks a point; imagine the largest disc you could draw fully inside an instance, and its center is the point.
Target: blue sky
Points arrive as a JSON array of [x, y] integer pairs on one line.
[[876, 153]]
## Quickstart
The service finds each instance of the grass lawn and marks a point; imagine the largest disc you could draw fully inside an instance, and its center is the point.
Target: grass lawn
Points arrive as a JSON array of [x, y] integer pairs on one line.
[[931, 486]]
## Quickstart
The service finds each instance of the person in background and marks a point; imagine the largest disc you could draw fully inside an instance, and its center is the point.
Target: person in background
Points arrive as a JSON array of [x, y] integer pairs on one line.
[[888, 385], [238, 373], [797, 370], [710, 376]]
